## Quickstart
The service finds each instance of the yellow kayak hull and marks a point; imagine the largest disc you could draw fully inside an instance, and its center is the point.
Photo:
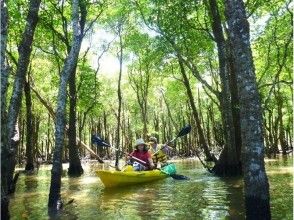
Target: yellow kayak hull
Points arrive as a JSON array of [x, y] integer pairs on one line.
[[125, 178]]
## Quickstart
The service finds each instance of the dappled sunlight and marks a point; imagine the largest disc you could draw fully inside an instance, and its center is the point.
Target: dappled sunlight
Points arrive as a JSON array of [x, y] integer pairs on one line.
[[88, 180], [281, 170], [270, 160]]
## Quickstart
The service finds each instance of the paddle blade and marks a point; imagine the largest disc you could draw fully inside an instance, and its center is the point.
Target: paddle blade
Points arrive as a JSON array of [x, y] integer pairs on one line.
[[179, 177], [98, 141], [185, 130]]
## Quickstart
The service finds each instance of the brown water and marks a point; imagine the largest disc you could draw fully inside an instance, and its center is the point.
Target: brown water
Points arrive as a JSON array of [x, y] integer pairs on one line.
[[203, 197]]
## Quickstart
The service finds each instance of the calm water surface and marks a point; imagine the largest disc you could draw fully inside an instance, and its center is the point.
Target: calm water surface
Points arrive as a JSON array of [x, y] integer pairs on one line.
[[203, 197]]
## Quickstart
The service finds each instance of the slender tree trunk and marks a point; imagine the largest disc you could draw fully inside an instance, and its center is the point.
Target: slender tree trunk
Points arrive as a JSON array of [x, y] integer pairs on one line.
[[4, 131], [48, 138], [202, 140], [75, 167], [53, 115], [30, 129], [20, 146], [256, 185], [281, 134], [275, 132], [208, 135], [119, 96], [36, 127], [69, 65], [24, 49]]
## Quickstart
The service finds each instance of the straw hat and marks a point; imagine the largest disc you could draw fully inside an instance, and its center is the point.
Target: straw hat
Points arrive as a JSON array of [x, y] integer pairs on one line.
[[140, 141]]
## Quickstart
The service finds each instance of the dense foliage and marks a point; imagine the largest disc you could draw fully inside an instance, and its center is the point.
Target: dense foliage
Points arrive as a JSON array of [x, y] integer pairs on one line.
[[153, 94]]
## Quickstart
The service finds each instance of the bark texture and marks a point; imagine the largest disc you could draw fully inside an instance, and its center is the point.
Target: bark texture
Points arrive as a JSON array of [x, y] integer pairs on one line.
[[30, 129], [69, 65], [256, 185], [75, 167], [25, 49], [203, 143], [228, 163], [4, 140]]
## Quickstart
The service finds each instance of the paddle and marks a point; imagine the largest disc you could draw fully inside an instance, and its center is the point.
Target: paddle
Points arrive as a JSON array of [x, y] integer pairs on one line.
[[184, 131], [99, 142]]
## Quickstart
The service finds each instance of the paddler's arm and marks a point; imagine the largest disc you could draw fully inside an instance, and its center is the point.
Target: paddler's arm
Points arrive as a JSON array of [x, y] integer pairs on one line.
[[151, 164], [165, 148], [129, 157]]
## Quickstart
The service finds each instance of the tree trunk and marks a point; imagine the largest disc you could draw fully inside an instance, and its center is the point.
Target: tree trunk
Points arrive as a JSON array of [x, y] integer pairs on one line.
[[4, 132], [75, 167], [48, 138], [202, 140], [281, 134], [36, 126], [24, 49], [20, 146], [235, 101], [52, 113], [69, 65], [256, 185], [228, 163], [141, 87], [30, 129], [119, 96]]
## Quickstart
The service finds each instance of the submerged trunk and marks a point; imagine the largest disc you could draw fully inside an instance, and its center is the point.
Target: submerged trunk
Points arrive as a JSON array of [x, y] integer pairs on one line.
[[69, 65], [256, 185], [228, 163], [24, 49], [75, 167]]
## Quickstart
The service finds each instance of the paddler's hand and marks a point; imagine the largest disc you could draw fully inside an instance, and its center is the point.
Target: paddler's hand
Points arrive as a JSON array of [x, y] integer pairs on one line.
[[151, 164], [166, 148]]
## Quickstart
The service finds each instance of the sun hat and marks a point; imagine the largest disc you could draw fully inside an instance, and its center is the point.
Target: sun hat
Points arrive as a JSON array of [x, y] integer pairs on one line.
[[140, 141]]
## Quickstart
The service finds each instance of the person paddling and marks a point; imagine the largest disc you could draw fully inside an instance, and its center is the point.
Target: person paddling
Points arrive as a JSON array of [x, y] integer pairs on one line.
[[141, 152], [158, 152]]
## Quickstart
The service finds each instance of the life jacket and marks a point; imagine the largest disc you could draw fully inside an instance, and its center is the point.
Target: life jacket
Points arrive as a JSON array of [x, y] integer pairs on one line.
[[159, 155]]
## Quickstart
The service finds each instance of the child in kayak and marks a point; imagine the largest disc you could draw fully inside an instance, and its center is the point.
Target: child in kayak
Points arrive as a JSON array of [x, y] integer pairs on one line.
[[141, 156], [158, 152]]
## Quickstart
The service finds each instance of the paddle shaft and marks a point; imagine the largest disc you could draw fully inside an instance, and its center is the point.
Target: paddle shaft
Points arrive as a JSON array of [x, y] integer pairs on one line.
[[184, 131], [135, 158]]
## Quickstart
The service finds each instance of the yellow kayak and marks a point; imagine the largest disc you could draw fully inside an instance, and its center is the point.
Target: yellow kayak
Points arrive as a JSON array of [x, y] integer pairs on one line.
[[112, 178]]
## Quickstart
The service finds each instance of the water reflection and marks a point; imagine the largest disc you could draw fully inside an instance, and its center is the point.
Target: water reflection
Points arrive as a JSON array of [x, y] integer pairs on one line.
[[204, 196]]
